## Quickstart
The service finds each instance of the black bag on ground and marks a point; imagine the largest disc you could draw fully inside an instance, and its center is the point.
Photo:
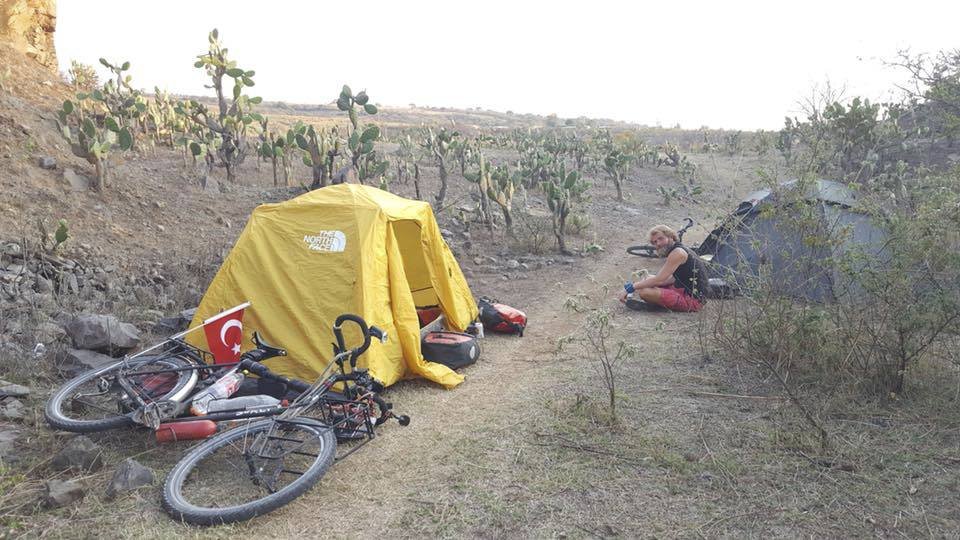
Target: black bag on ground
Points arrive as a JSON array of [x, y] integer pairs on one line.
[[452, 349], [501, 318]]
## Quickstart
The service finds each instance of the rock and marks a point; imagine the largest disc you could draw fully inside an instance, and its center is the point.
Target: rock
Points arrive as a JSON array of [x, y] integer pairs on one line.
[[209, 185], [446, 233], [80, 453], [63, 492], [161, 228], [49, 332], [12, 249], [129, 476], [346, 174], [47, 162], [478, 260], [79, 360], [188, 314], [44, 285], [13, 390], [223, 221], [76, 182], [144, 295], [102, 333], [12, 409], [524, 266], [8, 440], [169, 325], [513, 264], [72, 284]]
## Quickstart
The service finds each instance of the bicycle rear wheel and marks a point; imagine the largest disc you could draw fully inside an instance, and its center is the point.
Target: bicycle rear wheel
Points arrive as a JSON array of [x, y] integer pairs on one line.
[[94, 401], [248, 471]]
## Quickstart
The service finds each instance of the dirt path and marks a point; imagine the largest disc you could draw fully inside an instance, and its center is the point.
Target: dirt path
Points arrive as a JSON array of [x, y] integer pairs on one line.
[[466, 449]]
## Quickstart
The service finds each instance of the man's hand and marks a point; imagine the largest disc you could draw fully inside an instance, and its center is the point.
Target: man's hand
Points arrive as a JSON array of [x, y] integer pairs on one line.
[[622, 297]]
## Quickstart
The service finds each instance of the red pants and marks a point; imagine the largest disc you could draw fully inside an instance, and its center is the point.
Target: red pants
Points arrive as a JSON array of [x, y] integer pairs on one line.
[[677, 299]]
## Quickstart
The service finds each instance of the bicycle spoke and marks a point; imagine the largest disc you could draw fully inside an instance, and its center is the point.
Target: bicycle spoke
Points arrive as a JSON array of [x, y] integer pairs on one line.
[[253, 465]]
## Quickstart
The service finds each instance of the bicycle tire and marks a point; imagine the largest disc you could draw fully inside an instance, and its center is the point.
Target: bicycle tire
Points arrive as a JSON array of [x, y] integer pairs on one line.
[[55, 406], [181, 506], [645, 250]]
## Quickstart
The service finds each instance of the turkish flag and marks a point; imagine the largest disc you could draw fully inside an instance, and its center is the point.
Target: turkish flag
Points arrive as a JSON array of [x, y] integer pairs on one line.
[[224, 334]]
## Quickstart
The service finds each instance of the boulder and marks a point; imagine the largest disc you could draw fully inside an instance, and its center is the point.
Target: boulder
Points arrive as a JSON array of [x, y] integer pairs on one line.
[[44, 285], [63, 492], [129, 476], [75, 361], [74, 181], [12, 409], [11, 249], [103, 333], [8, 440], [47, 162], [80, 453], [13, 390]]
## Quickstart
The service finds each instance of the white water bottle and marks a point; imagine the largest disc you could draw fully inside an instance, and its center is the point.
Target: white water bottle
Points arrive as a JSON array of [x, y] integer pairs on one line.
[[225, 387], [241, 403]]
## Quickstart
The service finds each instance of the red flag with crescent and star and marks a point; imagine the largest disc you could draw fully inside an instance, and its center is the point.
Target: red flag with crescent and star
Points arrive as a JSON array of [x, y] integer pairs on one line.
[[224, 333]]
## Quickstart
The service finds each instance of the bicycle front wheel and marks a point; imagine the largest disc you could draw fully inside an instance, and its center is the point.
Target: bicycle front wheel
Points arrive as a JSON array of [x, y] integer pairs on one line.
[[95, 401], [248, 471]]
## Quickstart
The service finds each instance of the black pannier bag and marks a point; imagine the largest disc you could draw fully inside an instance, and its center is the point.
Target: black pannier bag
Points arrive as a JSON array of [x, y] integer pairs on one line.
[[501, 318], [452, 349]]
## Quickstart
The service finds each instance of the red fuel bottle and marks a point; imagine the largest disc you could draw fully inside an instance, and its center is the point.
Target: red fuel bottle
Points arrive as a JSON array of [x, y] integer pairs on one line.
[[185, 431]]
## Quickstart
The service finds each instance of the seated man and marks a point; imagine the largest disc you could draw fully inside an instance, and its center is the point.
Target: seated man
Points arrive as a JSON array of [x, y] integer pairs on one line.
[[680, 284]]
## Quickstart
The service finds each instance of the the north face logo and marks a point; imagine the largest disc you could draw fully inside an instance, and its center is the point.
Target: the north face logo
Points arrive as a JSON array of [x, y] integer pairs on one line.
[[328, 241]]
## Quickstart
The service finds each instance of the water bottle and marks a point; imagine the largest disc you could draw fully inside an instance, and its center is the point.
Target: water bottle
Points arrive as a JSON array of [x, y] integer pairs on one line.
[[476, 329], [223, 388], [242, 403]]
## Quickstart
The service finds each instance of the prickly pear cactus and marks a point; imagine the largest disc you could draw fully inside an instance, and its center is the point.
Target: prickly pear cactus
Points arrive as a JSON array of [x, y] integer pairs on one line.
[[92, 141]]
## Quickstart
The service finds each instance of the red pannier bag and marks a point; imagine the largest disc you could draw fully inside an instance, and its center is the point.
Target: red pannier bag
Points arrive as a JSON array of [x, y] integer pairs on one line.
[[501, 318], [428, 314]]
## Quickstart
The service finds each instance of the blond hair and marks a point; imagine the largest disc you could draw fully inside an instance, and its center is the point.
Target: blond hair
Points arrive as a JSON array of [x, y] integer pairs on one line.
[[666, 231]]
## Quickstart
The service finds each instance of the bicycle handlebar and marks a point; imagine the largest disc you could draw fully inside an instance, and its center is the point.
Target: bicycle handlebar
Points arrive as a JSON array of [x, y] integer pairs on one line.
[[368, 332]]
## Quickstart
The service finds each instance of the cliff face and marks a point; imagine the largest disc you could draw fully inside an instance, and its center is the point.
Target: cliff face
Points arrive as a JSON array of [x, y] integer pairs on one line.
[[28, 25]]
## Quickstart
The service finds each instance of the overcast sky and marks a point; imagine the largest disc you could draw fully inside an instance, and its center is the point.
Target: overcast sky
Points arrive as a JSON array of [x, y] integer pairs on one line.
[[722, 64]]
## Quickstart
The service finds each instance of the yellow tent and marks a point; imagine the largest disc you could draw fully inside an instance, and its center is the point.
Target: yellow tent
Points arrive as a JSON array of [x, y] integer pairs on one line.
[[342, 249]]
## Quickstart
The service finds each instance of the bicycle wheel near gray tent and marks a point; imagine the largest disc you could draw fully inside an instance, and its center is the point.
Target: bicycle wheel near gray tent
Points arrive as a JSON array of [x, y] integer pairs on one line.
[[248, 471], [97, 401]]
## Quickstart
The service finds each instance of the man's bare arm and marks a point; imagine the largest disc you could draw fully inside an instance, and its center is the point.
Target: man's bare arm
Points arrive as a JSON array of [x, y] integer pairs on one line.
[[665, 275]]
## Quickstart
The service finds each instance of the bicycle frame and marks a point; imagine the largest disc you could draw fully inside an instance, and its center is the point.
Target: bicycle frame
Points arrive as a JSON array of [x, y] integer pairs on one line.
[[349, 413]]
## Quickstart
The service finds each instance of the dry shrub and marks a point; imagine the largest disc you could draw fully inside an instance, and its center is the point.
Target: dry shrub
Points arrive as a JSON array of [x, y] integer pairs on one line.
[[578, 222], [533, 233], [894, 311]]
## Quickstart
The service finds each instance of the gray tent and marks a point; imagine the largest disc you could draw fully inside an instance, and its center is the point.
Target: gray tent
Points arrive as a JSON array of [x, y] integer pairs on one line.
[[762, 236]]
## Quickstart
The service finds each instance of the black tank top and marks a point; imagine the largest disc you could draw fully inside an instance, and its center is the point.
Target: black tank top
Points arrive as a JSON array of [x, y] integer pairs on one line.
[[691, 275]]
